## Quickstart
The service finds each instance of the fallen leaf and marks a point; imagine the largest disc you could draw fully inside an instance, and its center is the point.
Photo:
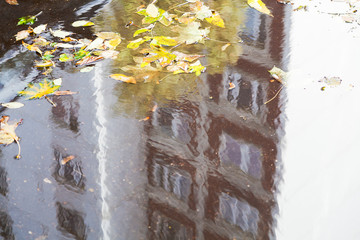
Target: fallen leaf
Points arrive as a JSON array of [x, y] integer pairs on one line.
[[141, 30], [223, 48], [32, 48], [12, 2], [278, 74], [152, 10], [63, 93], [144, 119], [88, 60], [82, 23], [22, 35], [66, 57], [47, 180], [46, 63], [68, 39], [12, 105], [29, 20], [123, 78], [7, 133], [68, 45], [39, 90], [86, 69], [39, 29], [108, 35], [57, 81], [112, 44], [68, 158], [260, 6], [191, 33], [186, 18], [201, 11], [109, 54], [136, 43], [40, 41], [231, 85], [60, 33], [96, 44], [216, 20]]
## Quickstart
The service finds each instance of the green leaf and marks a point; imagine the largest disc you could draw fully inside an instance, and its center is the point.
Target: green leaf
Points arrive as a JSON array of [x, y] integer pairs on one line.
[[65, 57], [47, 56], [136, 43], [81, 54], [27, 20], [141, 30]]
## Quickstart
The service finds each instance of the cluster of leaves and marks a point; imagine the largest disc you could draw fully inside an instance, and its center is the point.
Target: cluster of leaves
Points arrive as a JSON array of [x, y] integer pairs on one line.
[[157, 53]]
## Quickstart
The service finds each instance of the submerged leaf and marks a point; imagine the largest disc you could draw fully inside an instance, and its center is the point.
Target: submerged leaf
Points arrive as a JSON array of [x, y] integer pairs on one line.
[[141, 30], [260, 6], [108, 35], [82, 23], [152, 10], [136, 43], [123, 78], [191, 33], [39, 90], [216, 20], [88, 60]]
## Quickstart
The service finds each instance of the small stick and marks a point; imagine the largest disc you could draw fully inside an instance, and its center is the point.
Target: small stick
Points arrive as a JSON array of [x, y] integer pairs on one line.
[[275, 95], [49, 100], [18, 156]]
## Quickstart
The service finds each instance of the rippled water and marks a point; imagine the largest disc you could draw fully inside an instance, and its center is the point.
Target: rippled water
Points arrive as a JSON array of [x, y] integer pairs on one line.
[[204, 166]]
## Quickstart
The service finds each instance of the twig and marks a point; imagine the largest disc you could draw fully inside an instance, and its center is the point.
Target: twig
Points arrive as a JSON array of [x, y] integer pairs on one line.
[[275, 95], [19, 149], [49, 100]]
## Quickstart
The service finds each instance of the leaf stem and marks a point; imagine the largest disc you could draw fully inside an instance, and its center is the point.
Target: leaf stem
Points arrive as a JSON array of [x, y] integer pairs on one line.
[[275, 95], [49, 100], [19, 149]]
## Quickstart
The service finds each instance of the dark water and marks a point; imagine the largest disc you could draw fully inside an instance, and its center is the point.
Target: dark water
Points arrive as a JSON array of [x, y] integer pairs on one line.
[[204, 166]]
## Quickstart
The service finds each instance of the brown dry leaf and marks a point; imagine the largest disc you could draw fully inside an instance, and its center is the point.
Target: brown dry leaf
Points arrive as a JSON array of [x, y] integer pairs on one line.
[[63, 93], [88, 60], [12, 2], [68, 158], [22, 35], [123, 78], [7, 132], [32, 48]]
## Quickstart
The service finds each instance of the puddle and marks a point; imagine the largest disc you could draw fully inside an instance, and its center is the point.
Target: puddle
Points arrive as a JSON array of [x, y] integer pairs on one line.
[[204, 165]]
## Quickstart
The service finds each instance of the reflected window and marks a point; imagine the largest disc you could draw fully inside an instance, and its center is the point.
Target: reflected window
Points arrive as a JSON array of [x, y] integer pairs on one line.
[[3, 182], [254, 32], [239, 213], [71, 222], [166, 228], [247, 95], [6, 229], [246, 156], [172, 180]]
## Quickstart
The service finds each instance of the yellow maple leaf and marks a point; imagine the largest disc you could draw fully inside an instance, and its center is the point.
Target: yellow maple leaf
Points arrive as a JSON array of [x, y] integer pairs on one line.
[[39, 90]]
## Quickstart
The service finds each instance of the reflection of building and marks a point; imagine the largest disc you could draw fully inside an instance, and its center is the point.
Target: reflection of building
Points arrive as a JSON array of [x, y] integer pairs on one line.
[[212, 164]]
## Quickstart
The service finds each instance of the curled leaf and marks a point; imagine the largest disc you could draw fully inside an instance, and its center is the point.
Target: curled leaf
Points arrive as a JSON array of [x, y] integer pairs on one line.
[[32, 48], [123, 78], [7, 132]]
